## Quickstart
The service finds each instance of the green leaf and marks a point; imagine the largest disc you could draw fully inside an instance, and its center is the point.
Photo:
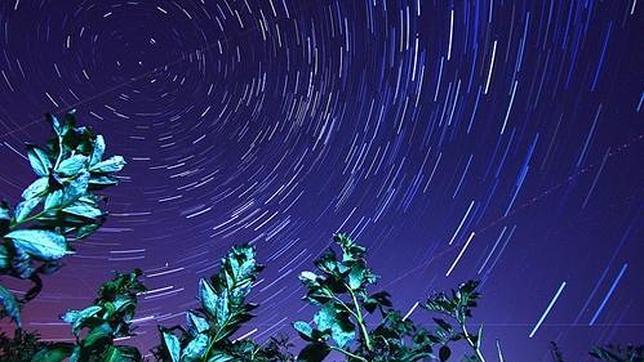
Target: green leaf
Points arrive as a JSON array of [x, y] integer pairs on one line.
[[54, 199], [5, 213], [113, 355], [76, 188], [25, 208], [221, 357], [100, 182], [197, 323], [10, 305], [97, 335], [78, 317], [55, 124], [72, 165], [37, 188], [172, 345], [4, 257], [56, 353], [304, 330], [83, 209], [208, 297], [39, 160], [196, 349], [314, 352], [97, 152], [112, 164], [331, 318], [42, 244]]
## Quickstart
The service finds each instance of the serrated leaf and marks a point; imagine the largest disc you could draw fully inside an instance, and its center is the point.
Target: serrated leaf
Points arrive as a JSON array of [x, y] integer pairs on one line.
[[10, 305], [37, 188], [42, 244], [39, 161], [112, 164], [72, 165], [196, 349], [172, 345]]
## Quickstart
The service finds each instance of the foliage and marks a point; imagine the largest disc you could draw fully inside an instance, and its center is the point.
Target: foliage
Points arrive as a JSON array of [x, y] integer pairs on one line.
[[97, 326], [21, 348], [59, 207], [340, 289], [457, 306], [223, 310], [614, 353]]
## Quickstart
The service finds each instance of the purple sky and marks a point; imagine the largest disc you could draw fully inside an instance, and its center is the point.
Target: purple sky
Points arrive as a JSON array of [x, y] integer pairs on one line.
[[499, 142]]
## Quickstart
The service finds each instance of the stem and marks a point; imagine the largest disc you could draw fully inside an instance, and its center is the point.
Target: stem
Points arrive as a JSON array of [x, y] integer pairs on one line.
[[347, 353], [360, 320], [469, 340]]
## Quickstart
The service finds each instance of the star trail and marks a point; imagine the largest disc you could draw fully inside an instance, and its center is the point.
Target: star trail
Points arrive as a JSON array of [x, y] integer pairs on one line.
[[498, 140]]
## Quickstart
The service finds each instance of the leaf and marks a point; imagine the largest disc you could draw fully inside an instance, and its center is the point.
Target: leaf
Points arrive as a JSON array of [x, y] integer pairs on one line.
[[55, 124], [39, 160], [42, 244], [5, 213], [221, 357], [37, 188], [4, 257], [54, 199], [76, 188], [97, 152], [197, 323], [304, 330], [172, 345], [208, 297], [112, 355], [72, 165], [25, 208], [314, 352], [56, 353], [444, 353], [10, 305], [83, 209], [195, 349], [77, 317], [112, 164], [97, 335], [337, 322]]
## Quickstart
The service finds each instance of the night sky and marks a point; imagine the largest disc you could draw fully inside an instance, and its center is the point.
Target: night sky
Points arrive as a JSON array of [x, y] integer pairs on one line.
[[497, 140]]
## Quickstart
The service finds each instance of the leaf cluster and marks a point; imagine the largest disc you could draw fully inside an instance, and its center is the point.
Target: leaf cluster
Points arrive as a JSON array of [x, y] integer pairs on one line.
[[59, 207], [99, 325], [223, 310]]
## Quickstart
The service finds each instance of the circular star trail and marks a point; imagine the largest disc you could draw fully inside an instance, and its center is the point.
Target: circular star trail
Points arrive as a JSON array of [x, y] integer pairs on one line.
[[497, 140]]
